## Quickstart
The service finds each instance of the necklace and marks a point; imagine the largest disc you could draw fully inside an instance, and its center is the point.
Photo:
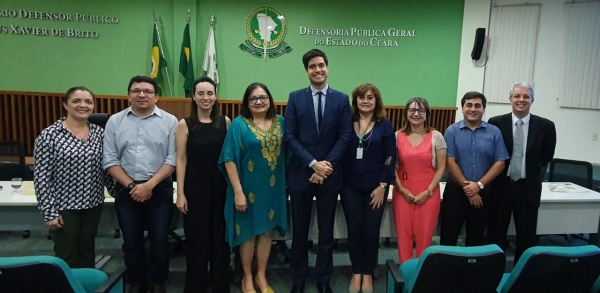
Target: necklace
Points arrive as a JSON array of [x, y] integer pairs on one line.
[[81, 135], [361, 136]]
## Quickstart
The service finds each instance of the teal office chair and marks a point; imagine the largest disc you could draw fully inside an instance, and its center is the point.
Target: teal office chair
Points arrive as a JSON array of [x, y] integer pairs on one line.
[[49, 274], [596, 287], [554, 269], [449, 269]]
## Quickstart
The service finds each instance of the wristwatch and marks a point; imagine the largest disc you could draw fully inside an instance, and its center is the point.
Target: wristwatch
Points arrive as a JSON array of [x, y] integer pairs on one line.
[[429, 192], [383, 186], [131, 185], [480, 185]]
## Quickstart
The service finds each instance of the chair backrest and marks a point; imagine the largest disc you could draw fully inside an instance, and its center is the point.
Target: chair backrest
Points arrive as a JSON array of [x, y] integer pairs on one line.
[[544, 174], [555, 269], [34, 277], [578, 172], [29, 273], [12, 160], [596, 286], [99, 119], [459, 269]]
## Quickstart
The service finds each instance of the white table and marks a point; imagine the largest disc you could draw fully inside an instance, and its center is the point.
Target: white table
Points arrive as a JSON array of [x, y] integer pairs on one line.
[[559, 213]]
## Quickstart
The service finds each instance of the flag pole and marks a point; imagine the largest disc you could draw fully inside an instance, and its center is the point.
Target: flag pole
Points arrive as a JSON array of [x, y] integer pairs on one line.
[[213, 20], [210, 53], [189, 16], [266, 28], [163, 56]]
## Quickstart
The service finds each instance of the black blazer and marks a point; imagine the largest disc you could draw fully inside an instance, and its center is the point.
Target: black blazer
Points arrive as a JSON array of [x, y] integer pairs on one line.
[[541, 141]]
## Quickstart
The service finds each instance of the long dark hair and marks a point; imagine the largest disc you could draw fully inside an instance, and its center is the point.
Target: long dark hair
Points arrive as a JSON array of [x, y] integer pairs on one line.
[[245, 110], [215, 113]]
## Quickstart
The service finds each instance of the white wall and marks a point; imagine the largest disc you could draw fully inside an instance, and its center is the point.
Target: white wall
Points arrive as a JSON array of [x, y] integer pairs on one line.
[[574, 127]]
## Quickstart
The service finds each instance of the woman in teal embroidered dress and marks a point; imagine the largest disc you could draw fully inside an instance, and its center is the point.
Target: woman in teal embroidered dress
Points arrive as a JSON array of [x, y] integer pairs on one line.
[[253, 160]]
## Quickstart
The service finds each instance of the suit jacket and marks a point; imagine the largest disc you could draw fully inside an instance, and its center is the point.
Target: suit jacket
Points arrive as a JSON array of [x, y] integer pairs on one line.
[[307, 143], [541, 141]]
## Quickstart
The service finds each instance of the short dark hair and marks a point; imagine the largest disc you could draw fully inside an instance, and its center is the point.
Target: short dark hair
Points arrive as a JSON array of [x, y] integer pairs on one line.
[[473, 95], [424, 105], [139, 78], [215, 113], [360, 91], [312, 54], [245, 110], [72, 90]]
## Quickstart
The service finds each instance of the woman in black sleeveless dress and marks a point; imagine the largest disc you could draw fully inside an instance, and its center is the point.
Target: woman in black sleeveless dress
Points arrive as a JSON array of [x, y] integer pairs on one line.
[[201, 190]]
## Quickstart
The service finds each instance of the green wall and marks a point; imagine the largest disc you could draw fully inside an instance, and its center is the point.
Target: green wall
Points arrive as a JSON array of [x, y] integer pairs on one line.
[[425, 65]]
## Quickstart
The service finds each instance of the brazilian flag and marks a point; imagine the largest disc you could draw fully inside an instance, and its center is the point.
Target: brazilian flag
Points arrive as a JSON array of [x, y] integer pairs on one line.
[[158, 62], [186, 66]]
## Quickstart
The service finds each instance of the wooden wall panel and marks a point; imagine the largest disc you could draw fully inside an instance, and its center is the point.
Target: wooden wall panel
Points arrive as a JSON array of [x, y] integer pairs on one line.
[[23, 115]]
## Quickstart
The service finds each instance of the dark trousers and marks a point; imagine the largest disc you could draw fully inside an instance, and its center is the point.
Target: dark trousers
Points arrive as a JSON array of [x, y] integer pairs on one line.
[[301, 214], [363, 228], [153, 215], [455, 209], [74, 242], [204, 227], [511, 199]]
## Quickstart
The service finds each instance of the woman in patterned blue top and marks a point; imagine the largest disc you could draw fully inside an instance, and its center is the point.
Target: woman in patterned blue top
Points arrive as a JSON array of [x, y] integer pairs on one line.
[[253, 160], [69, 180]]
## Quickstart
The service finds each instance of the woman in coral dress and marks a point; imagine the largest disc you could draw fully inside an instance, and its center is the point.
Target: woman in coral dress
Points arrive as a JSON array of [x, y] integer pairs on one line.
[[421, 165]]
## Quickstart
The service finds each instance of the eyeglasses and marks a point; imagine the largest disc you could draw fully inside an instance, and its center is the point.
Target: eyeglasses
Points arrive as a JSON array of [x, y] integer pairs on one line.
[[139, 91], [253, 100], [518, 97], [413, 111]]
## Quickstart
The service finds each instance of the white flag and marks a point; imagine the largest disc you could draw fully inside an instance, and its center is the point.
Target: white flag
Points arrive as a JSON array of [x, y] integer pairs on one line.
[[209, 65]]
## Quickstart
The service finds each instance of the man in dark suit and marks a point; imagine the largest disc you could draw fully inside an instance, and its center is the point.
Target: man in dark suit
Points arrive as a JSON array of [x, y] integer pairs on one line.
[[317, 128], [530, 141]]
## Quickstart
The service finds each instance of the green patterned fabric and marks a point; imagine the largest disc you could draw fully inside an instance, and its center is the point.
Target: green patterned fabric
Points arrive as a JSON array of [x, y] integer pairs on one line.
[[260, 159]]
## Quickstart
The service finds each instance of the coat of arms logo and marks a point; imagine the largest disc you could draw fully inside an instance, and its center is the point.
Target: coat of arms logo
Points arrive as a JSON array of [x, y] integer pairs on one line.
[[266, 28]]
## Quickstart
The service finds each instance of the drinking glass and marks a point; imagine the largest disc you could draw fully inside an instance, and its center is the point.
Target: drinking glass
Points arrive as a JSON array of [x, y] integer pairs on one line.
[[16, 183]]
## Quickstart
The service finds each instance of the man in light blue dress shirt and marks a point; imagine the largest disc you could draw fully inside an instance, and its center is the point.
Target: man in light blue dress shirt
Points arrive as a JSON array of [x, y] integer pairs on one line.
[[476, 155], [139, 152]]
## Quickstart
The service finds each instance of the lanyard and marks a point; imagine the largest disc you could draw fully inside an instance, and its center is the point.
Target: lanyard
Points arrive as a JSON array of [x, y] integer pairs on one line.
[[360, 138]]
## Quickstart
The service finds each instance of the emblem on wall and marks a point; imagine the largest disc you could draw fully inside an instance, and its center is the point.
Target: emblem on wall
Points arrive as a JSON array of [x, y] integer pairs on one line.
[[266, 29]]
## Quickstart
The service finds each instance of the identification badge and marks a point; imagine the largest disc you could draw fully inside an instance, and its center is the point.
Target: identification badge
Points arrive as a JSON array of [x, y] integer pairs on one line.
[[359, 153]]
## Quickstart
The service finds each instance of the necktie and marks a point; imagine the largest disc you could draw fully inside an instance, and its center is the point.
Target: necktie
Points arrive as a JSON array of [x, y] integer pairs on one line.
[[320, 111], [516, 160]]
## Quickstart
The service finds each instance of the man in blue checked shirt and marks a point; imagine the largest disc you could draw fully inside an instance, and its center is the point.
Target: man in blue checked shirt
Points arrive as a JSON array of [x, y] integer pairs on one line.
[[139, 152], [476, 155]]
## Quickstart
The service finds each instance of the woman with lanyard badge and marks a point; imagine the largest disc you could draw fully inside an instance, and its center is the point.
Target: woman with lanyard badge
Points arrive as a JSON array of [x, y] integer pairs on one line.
[[368, 171]]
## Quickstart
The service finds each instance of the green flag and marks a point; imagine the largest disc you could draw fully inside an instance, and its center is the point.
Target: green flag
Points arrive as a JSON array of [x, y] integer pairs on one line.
[[186, 66], [158, 62]]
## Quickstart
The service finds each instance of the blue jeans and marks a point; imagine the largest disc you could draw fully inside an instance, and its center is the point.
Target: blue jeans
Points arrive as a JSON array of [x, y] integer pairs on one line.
[[153, 215]]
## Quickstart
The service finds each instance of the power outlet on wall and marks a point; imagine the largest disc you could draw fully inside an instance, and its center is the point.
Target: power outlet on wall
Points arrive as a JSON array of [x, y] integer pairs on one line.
[[595, 137]]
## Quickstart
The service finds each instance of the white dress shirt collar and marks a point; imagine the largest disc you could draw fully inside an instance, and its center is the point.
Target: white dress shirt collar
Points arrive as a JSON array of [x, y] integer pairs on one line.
[[315, 91], [525, 119]]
